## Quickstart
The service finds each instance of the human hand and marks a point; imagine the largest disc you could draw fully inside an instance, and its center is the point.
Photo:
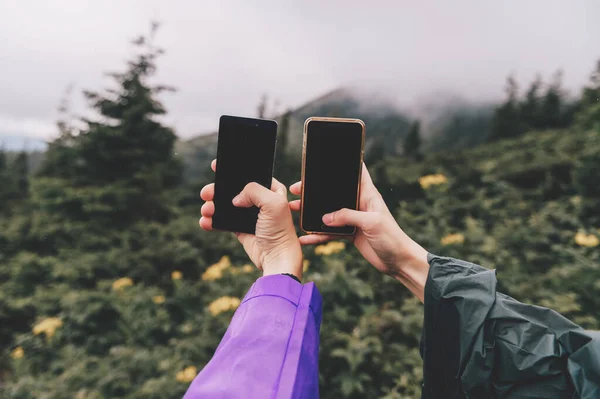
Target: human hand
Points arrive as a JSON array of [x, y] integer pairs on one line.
[[274, 248], [378, 237]]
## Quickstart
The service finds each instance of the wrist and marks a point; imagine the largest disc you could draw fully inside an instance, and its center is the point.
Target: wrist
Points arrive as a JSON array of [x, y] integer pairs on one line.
[[412, 269], [287, 262], [283, 269]]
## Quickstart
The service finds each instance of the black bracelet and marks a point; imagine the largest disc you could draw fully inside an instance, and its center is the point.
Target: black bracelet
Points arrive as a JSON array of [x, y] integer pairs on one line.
[[292, 276]]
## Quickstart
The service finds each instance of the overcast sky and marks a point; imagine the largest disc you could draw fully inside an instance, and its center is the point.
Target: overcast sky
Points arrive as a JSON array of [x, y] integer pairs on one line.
[[222, 55]]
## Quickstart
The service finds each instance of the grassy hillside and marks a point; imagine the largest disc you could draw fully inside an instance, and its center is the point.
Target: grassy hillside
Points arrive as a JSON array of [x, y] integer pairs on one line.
[[136, 313]]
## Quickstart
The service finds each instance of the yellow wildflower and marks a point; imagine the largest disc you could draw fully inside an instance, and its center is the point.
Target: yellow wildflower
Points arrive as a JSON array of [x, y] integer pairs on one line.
[[305, 264], [586, 240], [248, 268], [215, 272], [176, 275], [225, 262], [187, 374], [122, 283], [332, 247], [432, 180], [212, 273], [223, 304], [17, 353], [451, 239], [47, 326], [158, 299]]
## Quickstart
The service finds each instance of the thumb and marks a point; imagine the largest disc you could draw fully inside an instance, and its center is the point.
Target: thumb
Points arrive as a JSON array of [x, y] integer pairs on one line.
[[254, 195], [350, 217]]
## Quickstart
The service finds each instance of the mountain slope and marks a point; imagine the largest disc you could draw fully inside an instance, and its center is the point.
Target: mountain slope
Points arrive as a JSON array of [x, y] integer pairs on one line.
[[448, 122]]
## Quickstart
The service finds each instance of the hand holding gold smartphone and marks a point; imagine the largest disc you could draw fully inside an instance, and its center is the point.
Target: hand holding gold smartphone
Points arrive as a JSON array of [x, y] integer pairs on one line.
[[332, 160]]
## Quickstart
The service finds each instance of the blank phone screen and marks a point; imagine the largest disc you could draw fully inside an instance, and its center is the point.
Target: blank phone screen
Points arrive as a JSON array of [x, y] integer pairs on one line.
[[245, 153], [332, 165]]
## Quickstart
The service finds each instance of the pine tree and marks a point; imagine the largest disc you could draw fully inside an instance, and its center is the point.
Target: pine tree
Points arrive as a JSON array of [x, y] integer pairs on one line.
[[375, 151], [531, 104], [553, 104], [261, 110], [286, 166], [282, 134], [506, 122], [14, 181], [2, 160], [589, 107], [61, 157], [5, 183], [119, 166], [412, 142], [20, 174]]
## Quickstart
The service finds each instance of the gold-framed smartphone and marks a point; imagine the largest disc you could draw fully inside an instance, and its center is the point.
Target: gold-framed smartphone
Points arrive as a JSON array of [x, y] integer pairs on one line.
[[332, 158]]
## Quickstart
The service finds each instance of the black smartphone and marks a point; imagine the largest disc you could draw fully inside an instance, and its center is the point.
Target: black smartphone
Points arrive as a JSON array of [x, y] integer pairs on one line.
[[245, 153], [332, 160]]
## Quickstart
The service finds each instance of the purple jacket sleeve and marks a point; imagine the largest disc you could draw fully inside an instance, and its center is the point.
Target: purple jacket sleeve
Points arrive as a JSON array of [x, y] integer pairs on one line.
[[271, 347]]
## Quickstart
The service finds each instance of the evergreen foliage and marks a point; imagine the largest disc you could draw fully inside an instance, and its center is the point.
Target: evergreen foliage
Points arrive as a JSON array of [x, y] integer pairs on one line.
[[589, 114], [106, 279], [412, 141], [119, 167], [506, 121], [541, 108]]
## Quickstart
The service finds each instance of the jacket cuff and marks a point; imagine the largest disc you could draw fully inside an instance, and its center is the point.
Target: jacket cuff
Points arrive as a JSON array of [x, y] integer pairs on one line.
[[275, 285], [278, 285]]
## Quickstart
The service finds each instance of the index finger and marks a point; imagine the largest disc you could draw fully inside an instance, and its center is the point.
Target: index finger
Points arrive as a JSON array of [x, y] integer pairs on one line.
[[296, 188], [315, 239]]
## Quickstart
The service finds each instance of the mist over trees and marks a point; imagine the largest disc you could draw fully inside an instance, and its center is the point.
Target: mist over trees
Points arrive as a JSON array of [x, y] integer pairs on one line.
[[543, 106]]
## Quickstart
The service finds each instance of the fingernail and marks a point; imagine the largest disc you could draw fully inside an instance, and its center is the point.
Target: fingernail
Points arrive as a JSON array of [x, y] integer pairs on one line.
[[236, 200], [328, 218]]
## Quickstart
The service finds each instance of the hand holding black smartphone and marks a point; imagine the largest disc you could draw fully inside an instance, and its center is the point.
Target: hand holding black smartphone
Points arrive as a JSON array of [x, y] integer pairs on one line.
[[245, 154], [332, 160]]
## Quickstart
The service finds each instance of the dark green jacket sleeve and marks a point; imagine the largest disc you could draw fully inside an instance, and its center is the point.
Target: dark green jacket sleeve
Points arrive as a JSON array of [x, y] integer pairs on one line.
[[479, 343]]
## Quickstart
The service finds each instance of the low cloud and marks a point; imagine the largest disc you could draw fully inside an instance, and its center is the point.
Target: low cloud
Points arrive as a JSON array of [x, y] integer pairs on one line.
[[26, 126], [223, 56]]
